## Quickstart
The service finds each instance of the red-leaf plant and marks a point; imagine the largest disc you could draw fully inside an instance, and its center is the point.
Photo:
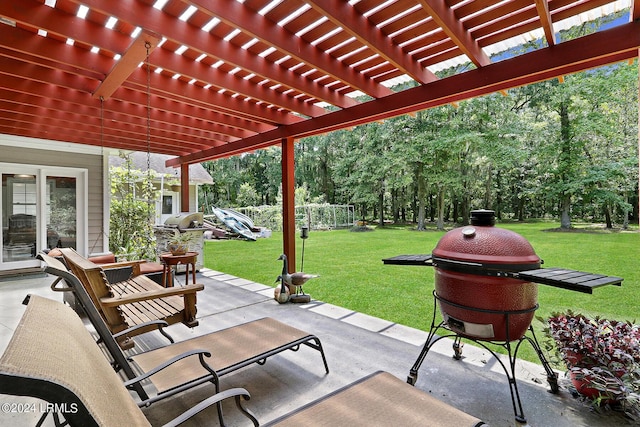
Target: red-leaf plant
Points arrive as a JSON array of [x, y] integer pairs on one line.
[[601, 354]]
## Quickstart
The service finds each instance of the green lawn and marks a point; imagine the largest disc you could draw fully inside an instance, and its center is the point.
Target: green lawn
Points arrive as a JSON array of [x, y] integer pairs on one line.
[[353, 276]]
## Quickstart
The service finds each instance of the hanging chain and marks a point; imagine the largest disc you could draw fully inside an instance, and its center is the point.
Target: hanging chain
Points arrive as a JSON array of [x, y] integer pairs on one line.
[[102, 231], [149, 185], [102, 123], [148, 46]]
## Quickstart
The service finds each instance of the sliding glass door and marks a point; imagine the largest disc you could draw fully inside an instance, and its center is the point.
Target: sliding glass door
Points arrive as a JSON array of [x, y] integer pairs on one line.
[[42, 208]]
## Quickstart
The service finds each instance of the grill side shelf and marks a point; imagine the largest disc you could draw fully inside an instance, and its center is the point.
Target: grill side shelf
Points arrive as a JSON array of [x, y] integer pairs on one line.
[[573, 280], [569, 279], [421, 260]]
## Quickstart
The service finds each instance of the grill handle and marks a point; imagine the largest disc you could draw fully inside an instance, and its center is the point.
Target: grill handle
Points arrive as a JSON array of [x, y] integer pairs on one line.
[[482, 269]]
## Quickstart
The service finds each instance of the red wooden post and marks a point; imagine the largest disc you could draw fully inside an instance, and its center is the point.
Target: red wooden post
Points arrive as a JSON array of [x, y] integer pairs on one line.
[[288, 203], [184, 187]]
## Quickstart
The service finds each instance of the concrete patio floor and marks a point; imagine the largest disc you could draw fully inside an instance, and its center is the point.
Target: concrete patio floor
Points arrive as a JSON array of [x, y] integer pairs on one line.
[[355, 345]]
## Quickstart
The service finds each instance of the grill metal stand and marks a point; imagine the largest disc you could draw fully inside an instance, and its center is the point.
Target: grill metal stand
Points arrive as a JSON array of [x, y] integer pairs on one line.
[[557, 277], [512, 351]]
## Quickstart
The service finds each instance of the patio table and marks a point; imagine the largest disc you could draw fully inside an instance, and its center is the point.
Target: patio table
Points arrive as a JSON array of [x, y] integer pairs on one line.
[[170, 261]]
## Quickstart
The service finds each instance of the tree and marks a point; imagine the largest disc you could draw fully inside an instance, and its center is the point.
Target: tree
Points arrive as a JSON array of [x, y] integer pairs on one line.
[[606, 95], [247, 196], [568, 150], [366, 161], [132, 212]]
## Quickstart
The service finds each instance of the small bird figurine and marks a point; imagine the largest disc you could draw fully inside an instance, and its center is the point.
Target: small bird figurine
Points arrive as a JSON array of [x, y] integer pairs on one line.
[[281, 293], [294, 280]]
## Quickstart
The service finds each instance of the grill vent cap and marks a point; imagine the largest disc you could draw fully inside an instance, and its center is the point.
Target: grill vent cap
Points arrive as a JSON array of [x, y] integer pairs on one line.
[[483, 217]]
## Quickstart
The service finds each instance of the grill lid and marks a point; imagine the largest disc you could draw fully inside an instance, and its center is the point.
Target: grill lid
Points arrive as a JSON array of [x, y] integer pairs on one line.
[[481, 248], [185, 220]]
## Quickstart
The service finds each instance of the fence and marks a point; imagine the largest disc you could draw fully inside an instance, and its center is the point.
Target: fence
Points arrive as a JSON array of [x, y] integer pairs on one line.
[[316, 216]]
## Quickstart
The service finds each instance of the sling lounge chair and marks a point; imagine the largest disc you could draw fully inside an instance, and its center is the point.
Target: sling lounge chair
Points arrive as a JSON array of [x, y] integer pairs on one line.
[[88, 392], [379, 399], [180, 366], [133, 301], [52, 356]]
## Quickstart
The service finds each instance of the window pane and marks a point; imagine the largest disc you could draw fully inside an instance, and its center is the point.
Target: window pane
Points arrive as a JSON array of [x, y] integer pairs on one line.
[[167, 205], [61, 212], [19, 225]]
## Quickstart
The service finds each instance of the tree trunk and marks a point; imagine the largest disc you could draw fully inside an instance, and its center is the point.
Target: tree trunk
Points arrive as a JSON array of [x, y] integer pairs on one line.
[[381, 207], [565, 165], [520, 209], [421, 197], [565, 217], [498, 206], [432, 210], [414, 202], [456, 214], [440, 208], [395, 202], [487, 191], [625, 220], [607, 216]]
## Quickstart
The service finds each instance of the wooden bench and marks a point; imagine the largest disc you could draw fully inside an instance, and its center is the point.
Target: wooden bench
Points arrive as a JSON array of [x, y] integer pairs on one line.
[[134, 301]]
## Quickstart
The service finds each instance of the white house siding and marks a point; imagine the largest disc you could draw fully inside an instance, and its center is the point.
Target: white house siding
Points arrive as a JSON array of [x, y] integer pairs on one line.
[[51, 153]]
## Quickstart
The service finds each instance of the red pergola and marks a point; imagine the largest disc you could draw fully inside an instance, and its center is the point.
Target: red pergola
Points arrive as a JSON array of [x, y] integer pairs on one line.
[[201, 80]]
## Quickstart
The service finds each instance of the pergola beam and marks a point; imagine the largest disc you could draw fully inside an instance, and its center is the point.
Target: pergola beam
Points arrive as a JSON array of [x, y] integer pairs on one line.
[[29, 47], [239, 16], [30, 13], [43, 82], [169, 61], [288, 202], [454, 29], [343, 14], [542, 7], [136, 54], [635, 11], [184, 33]]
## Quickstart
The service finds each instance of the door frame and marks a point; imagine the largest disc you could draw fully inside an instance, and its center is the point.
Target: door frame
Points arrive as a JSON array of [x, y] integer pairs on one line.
[[41, 172]]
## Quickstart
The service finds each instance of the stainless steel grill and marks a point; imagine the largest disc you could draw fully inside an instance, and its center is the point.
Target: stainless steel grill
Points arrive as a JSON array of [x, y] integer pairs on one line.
[[186, 222]]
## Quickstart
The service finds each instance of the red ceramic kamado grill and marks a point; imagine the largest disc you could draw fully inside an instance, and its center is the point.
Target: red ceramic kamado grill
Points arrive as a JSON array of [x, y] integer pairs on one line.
[[473, 301], [486, 285]]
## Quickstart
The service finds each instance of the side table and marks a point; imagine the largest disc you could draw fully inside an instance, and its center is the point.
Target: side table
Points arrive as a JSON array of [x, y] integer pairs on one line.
[[170, 261]]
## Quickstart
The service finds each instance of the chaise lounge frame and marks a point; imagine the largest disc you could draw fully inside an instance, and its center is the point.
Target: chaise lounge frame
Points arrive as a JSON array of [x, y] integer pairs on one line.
[[86, 391], [180, 366], [35, 363]]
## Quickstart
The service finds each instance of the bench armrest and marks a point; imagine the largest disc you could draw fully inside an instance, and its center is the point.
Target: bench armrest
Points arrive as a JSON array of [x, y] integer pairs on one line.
[[135, 265], [121, 264], [150, 295]]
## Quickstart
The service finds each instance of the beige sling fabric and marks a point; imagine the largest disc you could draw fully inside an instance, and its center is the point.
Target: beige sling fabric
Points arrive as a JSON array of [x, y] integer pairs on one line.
[[228, 348], [45, 345], [379, 400]]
